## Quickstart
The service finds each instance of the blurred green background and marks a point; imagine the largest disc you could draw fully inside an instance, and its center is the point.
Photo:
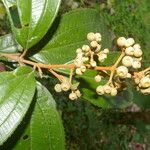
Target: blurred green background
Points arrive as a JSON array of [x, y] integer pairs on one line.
[[88, 127]]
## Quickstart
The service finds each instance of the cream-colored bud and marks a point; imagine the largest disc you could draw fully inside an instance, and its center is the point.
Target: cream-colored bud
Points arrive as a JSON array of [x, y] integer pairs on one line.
[[129, 51], [129, 75], [138, 52], [91, 36], [78, 71], [107, 89], [93, 63], [85, 48], [78, 62], [65, 86], [98, 37], [136, 64], [73, 96], [57, 88], [83, 68], [145, 82], [102, 57], [106, 51], [129, 42], [85, 59], [137, 46], [79, 50], [127, 61], [113, 92], [98, 78], [100, 90], [122, 71], [78, 93], [121, 41], [94, 44]]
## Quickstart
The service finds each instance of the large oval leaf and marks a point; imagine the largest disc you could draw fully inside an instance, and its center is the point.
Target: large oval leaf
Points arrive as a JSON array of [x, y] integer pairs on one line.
[[31, 19], [71, 34], [16, 92], [44, 130]]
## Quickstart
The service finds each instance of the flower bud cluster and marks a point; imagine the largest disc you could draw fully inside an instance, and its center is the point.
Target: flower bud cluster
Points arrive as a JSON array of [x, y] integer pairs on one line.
[[67, 86], [143, 83], [133, 52], [88, 53]]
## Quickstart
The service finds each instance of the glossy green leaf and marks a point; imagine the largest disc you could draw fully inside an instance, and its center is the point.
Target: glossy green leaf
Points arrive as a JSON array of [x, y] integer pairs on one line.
[[8, 44], [71, 34], [45, 129], [31, 19], [16, 92]]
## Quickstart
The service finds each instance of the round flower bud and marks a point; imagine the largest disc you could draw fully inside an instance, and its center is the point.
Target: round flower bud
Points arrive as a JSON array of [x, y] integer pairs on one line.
[[107, 89], [98, 37], [98, 78], [91, 36], [138, 52], [129, 42], [79, 50], [122, 71], [73, 96], [129, 75], [145, 82], [98, 48], [129, 51], [79, 56], [65, 86], [137, 80], [100, 90], [78, 71], [102, 57], [136, 64], [94, 44], [127, 61], [93, 63], [78, 62], [85, 59], [85, 48], [106, 51], [57, 88], [121, 41], [78, 93], [83, 68], [137, 46], [113, 92], [146, 91]]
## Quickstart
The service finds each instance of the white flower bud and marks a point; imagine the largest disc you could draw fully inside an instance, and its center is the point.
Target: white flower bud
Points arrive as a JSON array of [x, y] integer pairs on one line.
[[78, 62], [127, 61], [91, 36], [65, 86], [145, 82], [145, 91], [121, 41], [78, 93], [129, 42], [107, 89], [138, 52], [122, 71], [106, 51], [98, 78], [102, 57], [129, 51], [129, 75], [57, 88], [98, 48], [78, 71], [98, 37], [83, 68], [137, 80], [136, 64], [85, 48], [113, 92], [79, 50], [100, 90], [93, 63], [85, 59], [73, 96], [137, 46], [94, 44]]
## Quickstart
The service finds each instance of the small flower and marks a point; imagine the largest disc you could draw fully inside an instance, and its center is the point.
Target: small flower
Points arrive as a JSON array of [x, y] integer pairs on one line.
[[73, 96], [138, 52], [129, 42], [121, 41], [107, 89], [122, 71], [93, 63], [91, 36], [136, 64], [78, 71], [57, 88], [106, 51], [65, 86], [145, 82], [100, 90], [98, 78], [85, 48], [94, 44], [113, 92], [129, 51], [127, 61]]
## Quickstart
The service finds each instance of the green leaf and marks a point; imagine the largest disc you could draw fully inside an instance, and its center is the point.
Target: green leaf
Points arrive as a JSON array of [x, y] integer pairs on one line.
[[88, 87], [45, 130], [31, 19], [71, 34], [8, 44], [17, 89]]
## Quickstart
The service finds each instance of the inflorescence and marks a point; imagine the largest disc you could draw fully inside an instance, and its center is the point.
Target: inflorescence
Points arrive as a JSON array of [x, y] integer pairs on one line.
[[126, 67]]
